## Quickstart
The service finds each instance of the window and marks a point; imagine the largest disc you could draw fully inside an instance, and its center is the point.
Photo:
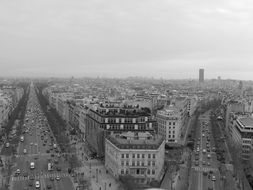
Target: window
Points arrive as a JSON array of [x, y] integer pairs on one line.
[[153, 172], [142, 163], [138, 163], [143, 155], [127, 172], [142, 172], [138, 155], [122, 155], [127, 155], [122, 163], [148, 172], [127, 163], [153, 163], [133, 163], [133, 156], [149, 163], [122, 171], [153, 156], [149, 156]]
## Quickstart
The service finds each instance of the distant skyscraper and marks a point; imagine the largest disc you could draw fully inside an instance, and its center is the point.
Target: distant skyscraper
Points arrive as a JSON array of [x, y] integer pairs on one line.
[[201, 75]]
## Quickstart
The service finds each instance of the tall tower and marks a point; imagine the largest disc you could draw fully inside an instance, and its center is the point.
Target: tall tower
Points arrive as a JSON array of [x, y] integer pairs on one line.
[[201, 75]]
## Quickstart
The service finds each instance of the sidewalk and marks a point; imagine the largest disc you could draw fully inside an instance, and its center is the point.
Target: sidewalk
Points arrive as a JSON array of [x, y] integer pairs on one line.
[[94, 170]]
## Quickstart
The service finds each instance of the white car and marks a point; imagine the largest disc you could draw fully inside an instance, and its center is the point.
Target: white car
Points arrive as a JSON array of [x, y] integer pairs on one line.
[[18, 171], [25, 151], [37, 184], [213, 178], [7, 145]]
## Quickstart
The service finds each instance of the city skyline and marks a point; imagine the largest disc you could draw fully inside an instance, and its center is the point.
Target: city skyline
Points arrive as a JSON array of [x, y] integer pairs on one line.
[[122, 39]]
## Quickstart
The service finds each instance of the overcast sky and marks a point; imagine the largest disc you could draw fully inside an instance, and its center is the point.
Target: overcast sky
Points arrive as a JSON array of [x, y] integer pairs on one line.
[[119, 38]]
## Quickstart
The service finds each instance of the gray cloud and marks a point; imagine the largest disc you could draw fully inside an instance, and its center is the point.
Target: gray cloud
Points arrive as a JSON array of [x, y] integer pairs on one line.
[[163, 38]]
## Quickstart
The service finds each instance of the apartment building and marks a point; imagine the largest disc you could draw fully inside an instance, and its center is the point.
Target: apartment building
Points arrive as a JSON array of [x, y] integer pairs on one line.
[[140, 155], [110, 118], [170, 122], [242, 134]]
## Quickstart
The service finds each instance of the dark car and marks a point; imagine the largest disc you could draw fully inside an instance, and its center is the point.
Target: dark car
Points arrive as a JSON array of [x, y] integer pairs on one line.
[[49, 186], [31, 177], [58, 168], [51, 178], [25, 174], [30, 183]]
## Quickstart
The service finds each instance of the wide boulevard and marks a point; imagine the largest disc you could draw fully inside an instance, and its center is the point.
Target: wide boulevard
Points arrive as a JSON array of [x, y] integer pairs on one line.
[[38, 146]]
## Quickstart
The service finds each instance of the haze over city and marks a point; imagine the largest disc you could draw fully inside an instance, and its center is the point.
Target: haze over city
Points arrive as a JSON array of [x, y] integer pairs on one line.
[[170, 39]]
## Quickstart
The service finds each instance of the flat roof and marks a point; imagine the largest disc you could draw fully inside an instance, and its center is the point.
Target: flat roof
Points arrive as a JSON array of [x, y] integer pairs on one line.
[[246, 121], [122, 143]]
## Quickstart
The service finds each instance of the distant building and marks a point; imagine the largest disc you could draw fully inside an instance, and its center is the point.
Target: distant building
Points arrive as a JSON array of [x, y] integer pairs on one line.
[[201, 75], [105, 119], [140, 155]]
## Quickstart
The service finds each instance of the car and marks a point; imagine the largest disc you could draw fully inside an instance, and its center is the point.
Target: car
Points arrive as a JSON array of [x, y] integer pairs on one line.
[[37, 184], [196, 163], [7, 145], [25, 174], [31, 177], [47, 151], [49, 186], [204, 150], [30, 183], [213, 178], [57, 178], [58, 168], [31, 143], [203, 163], [51, 178], [208, 163], [18, 171], [24, 151], [209, 156]]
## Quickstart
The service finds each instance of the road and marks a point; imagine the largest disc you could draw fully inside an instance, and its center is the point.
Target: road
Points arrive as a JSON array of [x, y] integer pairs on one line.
[[204, 172], [38, 143]]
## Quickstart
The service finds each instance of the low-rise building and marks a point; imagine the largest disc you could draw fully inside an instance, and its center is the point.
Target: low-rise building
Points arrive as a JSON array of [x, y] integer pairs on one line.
[[140, 155]]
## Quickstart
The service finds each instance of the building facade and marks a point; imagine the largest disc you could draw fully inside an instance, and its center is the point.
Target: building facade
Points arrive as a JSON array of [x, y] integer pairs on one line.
[[170, 124], [140, 155], [106, 119]]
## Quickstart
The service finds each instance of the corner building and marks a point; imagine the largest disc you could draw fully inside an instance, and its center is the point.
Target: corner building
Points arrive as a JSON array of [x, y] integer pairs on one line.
[[138, 155]]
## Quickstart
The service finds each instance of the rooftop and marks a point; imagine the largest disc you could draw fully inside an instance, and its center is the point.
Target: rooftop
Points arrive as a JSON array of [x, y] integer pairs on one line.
[[130, 140], [247, 121]]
